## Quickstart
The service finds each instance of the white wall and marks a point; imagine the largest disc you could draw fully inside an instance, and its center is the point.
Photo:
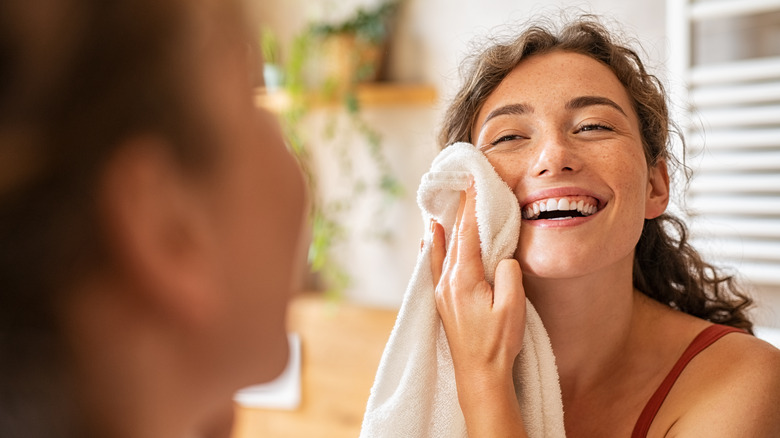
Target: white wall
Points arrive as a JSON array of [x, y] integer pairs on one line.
[[436, 33], [431, 39]]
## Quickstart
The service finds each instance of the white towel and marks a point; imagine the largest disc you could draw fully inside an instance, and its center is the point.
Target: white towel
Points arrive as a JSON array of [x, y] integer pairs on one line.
[[414, 393]]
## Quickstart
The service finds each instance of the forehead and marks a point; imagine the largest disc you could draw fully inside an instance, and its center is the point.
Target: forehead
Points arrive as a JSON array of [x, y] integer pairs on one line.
[[549, 80]]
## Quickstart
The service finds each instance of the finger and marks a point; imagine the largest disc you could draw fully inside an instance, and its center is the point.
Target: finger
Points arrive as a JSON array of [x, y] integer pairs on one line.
[[468, 249], [461, 205], [508, 289], [438, 252], [453, 245]]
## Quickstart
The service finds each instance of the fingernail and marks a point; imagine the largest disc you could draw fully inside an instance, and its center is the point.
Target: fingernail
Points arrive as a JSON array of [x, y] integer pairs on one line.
[[432, 225]]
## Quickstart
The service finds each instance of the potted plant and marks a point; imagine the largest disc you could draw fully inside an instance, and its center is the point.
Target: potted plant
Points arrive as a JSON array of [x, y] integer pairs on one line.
[[353, 51], [355, 47]]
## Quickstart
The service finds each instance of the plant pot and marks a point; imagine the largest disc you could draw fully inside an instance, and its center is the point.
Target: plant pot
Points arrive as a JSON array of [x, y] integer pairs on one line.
[[351, 60]]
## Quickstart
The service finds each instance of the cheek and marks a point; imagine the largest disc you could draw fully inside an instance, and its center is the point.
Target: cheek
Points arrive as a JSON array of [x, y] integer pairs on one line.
[[261, 261], [509, 168], [274, 203], [631, 183]]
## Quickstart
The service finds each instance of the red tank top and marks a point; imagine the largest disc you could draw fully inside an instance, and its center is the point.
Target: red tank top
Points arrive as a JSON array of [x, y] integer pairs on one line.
[[703, 340]]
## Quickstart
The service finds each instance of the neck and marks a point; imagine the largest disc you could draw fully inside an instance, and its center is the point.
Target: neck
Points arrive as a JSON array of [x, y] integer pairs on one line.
[[590, 321]]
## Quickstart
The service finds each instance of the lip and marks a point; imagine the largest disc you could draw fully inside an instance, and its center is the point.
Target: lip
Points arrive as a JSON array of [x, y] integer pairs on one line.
[[558, 223]]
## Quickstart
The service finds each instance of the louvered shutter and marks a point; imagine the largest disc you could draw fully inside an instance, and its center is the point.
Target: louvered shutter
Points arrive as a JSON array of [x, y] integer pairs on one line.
[[727, 96]]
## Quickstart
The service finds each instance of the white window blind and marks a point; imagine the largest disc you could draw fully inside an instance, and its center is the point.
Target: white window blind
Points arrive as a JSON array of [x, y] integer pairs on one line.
[[725, 70]]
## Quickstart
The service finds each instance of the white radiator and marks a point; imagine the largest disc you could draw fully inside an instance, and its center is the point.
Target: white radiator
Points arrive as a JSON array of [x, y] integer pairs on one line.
[[730, 112]]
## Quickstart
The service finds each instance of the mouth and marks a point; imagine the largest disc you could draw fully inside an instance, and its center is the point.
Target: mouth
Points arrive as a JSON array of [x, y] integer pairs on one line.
[[567, 207]]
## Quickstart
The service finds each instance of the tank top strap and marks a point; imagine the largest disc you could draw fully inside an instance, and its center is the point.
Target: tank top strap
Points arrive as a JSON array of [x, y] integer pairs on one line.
[[703, 340]]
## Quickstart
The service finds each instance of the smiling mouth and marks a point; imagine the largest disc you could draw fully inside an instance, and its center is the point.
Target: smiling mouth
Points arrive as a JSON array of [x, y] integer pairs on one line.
[[561, 208]]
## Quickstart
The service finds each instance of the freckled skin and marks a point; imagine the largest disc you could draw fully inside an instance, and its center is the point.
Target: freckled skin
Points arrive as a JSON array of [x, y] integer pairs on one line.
[[553, 150]]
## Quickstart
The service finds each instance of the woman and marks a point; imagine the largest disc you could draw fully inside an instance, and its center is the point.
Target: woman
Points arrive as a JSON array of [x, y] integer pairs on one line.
[[580, 131], [149, 219]]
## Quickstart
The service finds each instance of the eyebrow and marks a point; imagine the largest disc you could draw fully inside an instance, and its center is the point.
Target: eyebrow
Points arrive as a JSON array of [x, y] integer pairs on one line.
[[576, 103], [586, 101], [512, 109]]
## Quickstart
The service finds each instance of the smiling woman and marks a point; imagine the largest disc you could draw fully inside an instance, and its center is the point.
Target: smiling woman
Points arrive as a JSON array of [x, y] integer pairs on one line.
[[577, 128], [574, 142]]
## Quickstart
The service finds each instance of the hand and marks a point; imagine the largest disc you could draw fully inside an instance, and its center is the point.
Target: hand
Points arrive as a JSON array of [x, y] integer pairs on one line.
[[484, 325]]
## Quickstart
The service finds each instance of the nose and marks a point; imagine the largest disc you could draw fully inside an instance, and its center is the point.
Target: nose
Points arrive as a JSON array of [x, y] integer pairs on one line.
[[555, 156]]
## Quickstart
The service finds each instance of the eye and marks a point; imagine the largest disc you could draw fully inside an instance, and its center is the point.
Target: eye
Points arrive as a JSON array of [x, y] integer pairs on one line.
[[506, 138], [594, 127]]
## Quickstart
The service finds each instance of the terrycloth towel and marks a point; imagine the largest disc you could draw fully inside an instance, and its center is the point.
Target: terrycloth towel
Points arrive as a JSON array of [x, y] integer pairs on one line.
[[414, 393]]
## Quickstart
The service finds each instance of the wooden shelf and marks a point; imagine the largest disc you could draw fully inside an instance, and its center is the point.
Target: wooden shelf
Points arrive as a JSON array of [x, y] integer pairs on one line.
[[369, 95]]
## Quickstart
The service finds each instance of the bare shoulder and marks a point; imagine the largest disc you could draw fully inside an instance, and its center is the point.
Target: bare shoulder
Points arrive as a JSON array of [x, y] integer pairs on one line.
[[731, 389]]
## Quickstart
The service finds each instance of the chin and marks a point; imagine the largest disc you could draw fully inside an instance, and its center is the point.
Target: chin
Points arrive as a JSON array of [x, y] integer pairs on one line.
[[552, 272], [273, 358], [555, 263]]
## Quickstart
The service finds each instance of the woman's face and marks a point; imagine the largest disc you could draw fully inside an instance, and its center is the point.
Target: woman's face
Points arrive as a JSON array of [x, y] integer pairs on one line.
[[562, 132], [258, 208]]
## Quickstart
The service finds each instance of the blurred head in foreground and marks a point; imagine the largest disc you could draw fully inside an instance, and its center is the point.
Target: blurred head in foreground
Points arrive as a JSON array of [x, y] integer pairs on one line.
[[149, 218]]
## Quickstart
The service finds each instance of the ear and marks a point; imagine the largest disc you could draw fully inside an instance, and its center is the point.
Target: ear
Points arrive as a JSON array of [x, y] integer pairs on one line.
[[157, 233], [657, 190]]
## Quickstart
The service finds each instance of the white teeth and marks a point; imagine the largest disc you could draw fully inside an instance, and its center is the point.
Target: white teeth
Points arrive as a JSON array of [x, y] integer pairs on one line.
[[586, 207]]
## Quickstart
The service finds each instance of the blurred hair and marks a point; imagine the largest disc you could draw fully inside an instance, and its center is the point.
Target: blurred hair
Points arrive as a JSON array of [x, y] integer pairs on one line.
[[666, 267], [77, 79]]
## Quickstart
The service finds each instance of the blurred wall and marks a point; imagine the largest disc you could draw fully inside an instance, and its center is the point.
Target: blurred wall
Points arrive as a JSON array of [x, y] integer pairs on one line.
[[433, 35]]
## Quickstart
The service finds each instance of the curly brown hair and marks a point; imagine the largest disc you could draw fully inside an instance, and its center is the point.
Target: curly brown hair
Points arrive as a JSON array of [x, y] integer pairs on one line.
[[667, 267]]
